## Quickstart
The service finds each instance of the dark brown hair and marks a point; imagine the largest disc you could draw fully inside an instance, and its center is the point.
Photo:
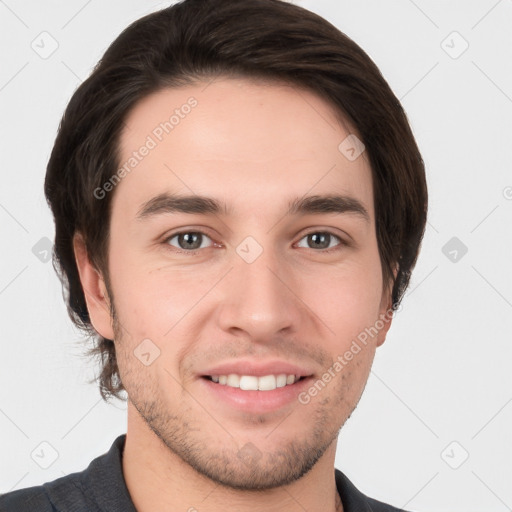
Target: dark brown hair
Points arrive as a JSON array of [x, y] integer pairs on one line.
[[197, 40]]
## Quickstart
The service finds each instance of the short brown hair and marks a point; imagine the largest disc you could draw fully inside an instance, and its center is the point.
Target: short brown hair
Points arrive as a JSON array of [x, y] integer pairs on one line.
[[195, 40]]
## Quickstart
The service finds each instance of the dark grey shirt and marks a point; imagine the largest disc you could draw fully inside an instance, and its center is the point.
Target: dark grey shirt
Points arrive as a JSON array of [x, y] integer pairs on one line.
[[101, 488]]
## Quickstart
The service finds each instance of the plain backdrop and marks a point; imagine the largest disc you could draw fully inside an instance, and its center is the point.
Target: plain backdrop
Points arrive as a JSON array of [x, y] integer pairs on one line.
[[433, 429]]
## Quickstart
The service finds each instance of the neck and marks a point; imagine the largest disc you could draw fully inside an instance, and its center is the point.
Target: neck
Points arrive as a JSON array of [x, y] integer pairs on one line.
[[157, 479]]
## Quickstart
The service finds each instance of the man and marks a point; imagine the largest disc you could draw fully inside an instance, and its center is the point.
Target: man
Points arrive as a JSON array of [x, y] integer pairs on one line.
[[239, 203]]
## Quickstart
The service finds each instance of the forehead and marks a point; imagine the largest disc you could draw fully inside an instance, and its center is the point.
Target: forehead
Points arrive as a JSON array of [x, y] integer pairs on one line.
[[246, 143]]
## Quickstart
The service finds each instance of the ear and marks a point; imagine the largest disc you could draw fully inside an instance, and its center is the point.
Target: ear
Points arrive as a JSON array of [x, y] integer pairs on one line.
[[385, 310], [95, 291]]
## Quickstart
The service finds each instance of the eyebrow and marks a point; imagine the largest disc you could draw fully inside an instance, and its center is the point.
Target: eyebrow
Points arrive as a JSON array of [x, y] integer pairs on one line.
[[316, 204]]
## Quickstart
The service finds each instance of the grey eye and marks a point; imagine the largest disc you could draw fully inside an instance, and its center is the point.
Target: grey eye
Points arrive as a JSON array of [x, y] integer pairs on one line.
[[319, 240], [189, 240]]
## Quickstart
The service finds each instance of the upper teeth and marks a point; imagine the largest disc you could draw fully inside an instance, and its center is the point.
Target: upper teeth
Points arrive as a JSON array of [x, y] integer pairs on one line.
[[253, 383]]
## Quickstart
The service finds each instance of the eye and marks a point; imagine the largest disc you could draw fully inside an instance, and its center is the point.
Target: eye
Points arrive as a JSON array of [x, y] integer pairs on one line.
[[188, 240], [191, 241], [322, 240]]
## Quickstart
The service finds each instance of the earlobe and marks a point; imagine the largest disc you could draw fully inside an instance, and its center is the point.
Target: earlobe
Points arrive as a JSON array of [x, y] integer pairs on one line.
[[385, 319], [386, 310], [95, 291]]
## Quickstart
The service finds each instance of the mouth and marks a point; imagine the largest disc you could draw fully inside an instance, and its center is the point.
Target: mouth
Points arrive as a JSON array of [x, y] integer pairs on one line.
[[255, 382], [255, 394], [255, 386]]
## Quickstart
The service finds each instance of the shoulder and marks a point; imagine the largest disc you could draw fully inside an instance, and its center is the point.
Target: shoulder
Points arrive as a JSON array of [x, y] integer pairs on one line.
[[26, 500], [96, 488], [60, 495], [378, 506]]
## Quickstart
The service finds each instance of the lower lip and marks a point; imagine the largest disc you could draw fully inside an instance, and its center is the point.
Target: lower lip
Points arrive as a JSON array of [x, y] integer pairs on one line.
[[256, 401]]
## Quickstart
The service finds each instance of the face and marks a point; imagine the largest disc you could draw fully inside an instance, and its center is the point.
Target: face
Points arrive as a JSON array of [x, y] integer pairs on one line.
[[261, 286]]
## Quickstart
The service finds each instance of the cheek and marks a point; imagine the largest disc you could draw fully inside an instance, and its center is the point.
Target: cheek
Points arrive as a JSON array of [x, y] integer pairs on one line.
[[347, 300], [158, 303], [150, 306]]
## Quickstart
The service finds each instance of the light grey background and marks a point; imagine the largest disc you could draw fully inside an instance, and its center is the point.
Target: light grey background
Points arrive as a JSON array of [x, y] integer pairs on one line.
[[440, 388]]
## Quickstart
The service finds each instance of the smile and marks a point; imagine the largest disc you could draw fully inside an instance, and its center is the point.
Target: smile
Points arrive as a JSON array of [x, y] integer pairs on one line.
[[255, 383]]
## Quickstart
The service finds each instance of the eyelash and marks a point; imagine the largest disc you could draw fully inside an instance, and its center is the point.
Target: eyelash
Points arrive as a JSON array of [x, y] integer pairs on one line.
[[342, 243]]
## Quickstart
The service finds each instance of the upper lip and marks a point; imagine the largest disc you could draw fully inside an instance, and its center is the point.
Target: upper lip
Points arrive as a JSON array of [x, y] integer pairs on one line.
[[258, 368]]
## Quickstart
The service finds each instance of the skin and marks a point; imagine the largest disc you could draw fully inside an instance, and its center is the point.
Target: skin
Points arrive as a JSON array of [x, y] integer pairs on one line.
[[253, 146]]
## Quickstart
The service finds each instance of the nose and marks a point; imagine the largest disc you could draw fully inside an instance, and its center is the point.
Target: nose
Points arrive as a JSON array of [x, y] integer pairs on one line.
[[260, 298]]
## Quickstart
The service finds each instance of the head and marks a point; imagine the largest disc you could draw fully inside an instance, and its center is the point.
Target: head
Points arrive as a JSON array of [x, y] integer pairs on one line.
[[309, 205]]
